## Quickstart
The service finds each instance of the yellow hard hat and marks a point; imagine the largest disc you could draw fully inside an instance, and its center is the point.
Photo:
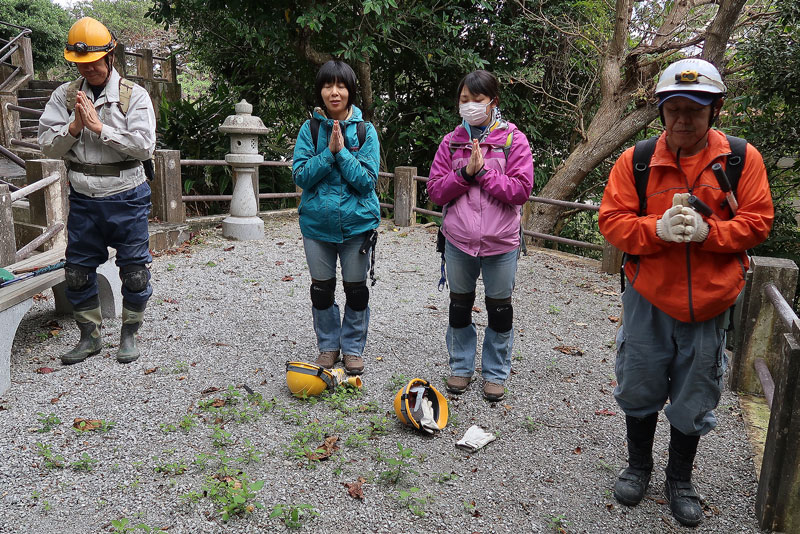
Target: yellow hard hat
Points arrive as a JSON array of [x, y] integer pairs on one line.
[[405, 401], [308, 379], [88, 40]]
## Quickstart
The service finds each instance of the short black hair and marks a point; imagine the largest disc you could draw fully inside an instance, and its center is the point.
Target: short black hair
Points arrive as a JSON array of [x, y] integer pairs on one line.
[[335, 71], [479, 82]]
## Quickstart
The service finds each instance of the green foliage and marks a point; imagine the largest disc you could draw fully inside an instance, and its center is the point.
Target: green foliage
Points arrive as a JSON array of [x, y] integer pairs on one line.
[[293, 515], [764, 108], [48, 421], [49, 24], [123, 525], [51, 459], [232, 495], [126, 18], [409, 499], [85, 463], [399, 466]]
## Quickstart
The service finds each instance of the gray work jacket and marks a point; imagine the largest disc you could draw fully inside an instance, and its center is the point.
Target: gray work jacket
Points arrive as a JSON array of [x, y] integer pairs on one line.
[[123, 137]]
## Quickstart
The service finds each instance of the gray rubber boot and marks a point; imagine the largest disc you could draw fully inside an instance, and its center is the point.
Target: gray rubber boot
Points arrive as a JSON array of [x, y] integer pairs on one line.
[[90, 342], [131, 321]]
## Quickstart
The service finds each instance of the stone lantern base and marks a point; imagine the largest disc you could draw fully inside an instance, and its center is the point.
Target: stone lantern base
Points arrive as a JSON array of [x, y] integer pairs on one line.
[[243, 228]]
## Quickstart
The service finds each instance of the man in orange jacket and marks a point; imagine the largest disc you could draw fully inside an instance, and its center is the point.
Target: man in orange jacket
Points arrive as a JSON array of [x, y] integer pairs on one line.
[[684, 273]]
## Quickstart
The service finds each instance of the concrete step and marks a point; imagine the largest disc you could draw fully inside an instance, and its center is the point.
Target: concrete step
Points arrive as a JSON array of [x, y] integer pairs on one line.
[[164, 236], [44, 84]]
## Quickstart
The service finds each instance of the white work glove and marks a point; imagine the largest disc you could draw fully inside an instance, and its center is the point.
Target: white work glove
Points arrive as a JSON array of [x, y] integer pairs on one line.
[[427, 422], [475, 438], [672, 225], [696, 229]]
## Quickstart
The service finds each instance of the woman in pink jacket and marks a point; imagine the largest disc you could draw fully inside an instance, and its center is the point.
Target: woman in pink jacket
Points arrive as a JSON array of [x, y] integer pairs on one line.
[[481, 175]]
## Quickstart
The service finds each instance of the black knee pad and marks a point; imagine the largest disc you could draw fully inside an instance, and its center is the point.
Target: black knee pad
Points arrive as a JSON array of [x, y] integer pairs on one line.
[[134, 277], [357, 294], [322, 293], [461, 309], [501, 314], [77, 277]]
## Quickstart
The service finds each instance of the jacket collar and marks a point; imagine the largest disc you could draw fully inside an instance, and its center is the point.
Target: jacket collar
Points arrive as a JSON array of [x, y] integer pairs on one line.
[[716, 148], [353, 116], [110, 90]]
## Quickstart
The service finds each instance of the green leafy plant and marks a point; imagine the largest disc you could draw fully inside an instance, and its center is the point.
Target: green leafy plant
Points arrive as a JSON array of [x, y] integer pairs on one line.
[[123, 525], [399, 466], [445, 478], [530, 424], [293, 515], [170, 468], [51, 460], [558, 523], [397, 381], [85, 463], [48, 422], [221, 437], [409, 499], [553, 309], [233, 495]]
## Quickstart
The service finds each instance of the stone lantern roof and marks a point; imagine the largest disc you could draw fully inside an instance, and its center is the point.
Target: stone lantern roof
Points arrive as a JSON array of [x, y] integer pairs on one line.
[[243, 122]]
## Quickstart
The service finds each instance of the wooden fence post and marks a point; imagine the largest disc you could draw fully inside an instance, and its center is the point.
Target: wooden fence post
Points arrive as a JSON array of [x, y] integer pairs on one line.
[[612, 258], [758, 327], [778, 498], [405, 195], [167, 188], [8, 245], [144, 64], [48, 205]]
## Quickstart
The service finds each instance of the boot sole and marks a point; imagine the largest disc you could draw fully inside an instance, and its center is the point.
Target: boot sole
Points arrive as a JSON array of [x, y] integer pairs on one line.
[[70, 361]]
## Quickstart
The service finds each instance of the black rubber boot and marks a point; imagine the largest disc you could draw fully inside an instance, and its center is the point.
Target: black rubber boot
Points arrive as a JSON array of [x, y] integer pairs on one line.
[[631, 484], [131, 321], [684, 501], [90, 343]]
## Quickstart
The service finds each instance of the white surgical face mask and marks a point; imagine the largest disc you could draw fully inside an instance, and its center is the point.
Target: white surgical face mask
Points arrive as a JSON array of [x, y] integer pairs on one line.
[[474, 112]]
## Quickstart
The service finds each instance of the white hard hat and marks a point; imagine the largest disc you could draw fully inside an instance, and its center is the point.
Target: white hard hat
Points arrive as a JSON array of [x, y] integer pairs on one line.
[[694, 78]]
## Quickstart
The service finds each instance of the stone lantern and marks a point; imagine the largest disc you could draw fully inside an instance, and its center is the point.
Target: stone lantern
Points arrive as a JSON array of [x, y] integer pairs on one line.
[[243, 223]]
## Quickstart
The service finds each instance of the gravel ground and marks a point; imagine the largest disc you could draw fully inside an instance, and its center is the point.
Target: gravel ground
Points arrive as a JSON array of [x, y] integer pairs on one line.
[[229, 314]]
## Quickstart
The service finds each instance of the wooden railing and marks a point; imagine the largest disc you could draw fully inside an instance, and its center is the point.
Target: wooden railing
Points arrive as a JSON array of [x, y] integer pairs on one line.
[[766, 360], [43, 224], [167, 187], [16, 68]]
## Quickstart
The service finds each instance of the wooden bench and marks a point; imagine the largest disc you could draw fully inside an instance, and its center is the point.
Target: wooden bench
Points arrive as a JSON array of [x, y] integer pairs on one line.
[[16, 299]]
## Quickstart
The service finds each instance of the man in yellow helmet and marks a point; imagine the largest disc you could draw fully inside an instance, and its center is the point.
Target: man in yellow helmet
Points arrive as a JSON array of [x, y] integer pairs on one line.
[[103, 126]]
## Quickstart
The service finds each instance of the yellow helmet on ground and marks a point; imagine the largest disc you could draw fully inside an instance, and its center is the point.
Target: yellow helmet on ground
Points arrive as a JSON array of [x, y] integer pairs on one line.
[[308, 379], [408, 405], [88, 40]]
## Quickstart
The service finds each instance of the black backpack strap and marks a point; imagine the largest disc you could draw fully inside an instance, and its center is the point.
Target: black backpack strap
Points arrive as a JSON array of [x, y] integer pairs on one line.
[[642, 153], [361, 132], [314, 125], [735, 162]]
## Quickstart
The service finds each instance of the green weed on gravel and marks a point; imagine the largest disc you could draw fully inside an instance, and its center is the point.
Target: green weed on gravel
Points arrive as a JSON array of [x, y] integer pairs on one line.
[[293, 515]]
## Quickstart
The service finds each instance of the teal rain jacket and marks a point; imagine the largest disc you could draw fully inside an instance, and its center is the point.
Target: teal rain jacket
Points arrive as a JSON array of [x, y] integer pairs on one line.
[[339, 200]]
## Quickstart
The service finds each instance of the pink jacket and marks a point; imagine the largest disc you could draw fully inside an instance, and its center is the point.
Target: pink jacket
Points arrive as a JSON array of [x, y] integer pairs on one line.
[[482, 216]]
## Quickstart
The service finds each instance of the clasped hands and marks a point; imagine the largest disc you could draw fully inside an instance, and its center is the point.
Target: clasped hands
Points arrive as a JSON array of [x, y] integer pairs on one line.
[[85, 116], [680, 223], [336, 142], [475, 159]]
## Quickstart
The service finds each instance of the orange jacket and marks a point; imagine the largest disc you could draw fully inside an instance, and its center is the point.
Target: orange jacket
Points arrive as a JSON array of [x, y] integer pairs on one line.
[[691, 282]]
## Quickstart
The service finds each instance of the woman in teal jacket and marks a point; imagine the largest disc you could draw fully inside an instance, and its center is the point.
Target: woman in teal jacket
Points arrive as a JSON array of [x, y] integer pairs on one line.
[[336, 161]]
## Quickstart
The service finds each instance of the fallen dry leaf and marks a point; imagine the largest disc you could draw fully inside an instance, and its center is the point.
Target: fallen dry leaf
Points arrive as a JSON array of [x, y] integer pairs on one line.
[[228, 249], [569, 349], [613, 318], [278, 262], [44, 370], [476, 309], [150, 371], [431, 307], [209, 391], [287, 278], [324, 451], [354, 489], [218, 403], [604, 412], [87, 425], [577, 450]]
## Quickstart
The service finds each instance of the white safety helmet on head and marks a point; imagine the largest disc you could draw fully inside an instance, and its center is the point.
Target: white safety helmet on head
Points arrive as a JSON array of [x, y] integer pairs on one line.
[[695, 79]]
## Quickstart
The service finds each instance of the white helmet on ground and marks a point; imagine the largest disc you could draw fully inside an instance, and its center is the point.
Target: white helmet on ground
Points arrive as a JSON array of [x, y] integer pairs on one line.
[[693, 78]]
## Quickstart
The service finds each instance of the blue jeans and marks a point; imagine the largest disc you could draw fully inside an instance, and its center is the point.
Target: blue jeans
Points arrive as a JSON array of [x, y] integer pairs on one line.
[[118, 221], [499, 272], [334, 333], [660, 358]]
